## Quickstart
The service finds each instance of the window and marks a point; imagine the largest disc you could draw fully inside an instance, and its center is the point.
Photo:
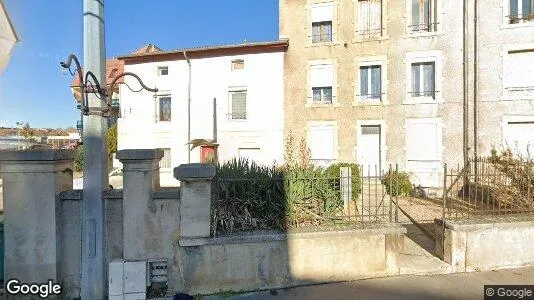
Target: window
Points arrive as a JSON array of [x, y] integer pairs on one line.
[[518, 136], [163, 71], [238, 101], [424, 15], [369, 18], [238, 64], [521, 11], [370, 83], [322, 77], [164, 109], [321, 18], [518, 73], [165, 162], [322, 144], [423, 80]]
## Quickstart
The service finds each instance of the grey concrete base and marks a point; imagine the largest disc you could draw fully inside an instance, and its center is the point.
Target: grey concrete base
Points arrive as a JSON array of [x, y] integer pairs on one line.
[[297, 259], [488, 244]]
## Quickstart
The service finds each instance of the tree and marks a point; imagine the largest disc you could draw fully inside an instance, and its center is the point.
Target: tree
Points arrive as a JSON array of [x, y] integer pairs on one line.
[[26, 130], [112, 148]]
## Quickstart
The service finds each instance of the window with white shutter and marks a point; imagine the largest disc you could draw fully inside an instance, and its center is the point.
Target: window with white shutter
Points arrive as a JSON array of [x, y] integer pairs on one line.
[[370, 83], [238, 102], [424, 14], [518, 136], [322, 78], [322, 16], [369, 18], [519, 71], [424, 151], [165, 162], [322, 144]]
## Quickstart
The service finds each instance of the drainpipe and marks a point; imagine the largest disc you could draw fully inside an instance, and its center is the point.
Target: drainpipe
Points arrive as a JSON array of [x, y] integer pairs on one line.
[[465, 83], [475, 85], [188, 109]]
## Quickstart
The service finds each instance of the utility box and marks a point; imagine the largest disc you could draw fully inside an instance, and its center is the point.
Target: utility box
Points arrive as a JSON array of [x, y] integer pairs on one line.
[[135, 277], [127, 280], [116, 278]]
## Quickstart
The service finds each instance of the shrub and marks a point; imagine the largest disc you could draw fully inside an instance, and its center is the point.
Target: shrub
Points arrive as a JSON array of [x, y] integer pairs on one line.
[[333, 171], [78, 161], [397, 183]]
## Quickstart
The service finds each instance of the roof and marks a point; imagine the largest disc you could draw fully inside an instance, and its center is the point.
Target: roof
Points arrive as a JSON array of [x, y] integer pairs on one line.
[[148, 48], [113, 68], [9, 21], [207, 51]]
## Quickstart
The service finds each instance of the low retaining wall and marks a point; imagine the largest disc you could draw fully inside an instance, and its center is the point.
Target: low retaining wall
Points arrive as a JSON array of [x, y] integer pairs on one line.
[[476, 245], [272, 259]]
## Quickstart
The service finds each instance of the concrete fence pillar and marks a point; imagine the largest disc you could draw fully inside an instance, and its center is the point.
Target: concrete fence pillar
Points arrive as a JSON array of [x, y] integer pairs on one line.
[[32, 182], [140, 180], [195, 199]]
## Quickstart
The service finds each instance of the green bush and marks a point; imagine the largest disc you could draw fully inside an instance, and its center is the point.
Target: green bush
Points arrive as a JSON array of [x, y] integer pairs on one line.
[[78, 161], [248, 196], [397, 183], [333, 171]]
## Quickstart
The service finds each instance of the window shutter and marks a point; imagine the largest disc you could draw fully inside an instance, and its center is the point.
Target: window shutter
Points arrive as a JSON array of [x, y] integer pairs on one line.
[[376, 16], [322, 75], [322, 142], [519, 69], [363, 16], [422, 142], [322, 12], [239, 105]]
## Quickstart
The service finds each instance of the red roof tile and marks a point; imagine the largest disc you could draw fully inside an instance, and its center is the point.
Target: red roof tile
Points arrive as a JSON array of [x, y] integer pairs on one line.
[[113, 68]]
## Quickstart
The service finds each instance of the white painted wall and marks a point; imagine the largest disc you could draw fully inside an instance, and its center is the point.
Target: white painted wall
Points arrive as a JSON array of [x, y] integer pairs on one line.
[[211, 78]]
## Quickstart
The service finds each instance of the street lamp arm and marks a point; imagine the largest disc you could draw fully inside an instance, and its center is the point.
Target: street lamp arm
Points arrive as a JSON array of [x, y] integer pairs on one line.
[[114, 81]]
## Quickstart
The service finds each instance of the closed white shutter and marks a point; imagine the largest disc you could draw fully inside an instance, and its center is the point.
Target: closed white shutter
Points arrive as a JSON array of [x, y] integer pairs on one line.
[[322, 12], [322, 142], [322, 75], [363, 16], [519, 136], [422, 142], [519, 70], [376, 16]]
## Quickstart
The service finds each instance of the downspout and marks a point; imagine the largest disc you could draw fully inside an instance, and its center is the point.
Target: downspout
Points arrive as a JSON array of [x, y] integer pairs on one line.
[[475, 88], [466, 84], [188, 109]]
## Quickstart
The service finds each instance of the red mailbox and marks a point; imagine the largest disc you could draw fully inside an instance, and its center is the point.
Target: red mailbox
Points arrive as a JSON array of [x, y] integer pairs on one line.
[[207, 152]]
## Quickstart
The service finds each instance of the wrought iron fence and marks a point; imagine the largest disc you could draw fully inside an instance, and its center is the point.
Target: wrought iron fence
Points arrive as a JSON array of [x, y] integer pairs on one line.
[[488, 187], [244, 204]]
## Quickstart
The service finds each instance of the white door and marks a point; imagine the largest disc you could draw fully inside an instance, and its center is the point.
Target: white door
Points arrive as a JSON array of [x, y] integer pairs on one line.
[[369, 149]]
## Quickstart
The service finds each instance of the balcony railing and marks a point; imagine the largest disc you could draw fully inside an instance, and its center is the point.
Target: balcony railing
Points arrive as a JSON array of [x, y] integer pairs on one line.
[[423, 94], [516, 19], [371, 97], [370, 33], [426, 27]]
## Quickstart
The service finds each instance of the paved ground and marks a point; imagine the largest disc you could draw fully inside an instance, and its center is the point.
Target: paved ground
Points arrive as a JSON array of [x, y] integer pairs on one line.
[[450, 286]]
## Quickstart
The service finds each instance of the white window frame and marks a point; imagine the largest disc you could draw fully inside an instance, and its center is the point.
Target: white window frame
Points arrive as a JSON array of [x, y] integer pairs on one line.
[[309, 26], [334, 124], [440, 149], [383, 140], [380, 60], [421, 57], [440, 17], [504, 126], [157, 106], [232, 90], [236, 61], [506, 94], [358, 38], [505, 24], [309, 88], [161, 68]]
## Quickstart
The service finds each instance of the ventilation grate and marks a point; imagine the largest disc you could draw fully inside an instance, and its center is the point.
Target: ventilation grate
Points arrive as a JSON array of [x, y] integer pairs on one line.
[[158, 271]]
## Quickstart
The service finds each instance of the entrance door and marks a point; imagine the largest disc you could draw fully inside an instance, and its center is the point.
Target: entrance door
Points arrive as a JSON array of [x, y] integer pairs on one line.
[[369, 149]]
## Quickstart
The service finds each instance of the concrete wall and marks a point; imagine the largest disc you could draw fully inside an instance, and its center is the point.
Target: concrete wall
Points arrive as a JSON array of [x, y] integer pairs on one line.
[[475, 245], [271, 260], [212, 77], [347, 49]]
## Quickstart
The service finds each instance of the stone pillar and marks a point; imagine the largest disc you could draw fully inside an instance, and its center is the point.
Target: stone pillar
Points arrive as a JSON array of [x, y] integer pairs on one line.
[[195, 199], [140, 180], [32, 181]]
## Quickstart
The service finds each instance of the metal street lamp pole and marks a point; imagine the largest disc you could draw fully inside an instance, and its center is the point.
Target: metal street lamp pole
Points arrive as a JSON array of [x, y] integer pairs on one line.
[[95, 162]]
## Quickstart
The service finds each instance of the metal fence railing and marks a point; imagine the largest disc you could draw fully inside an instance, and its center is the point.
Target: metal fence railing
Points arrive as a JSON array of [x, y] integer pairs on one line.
[[486, 187], [354, 196]]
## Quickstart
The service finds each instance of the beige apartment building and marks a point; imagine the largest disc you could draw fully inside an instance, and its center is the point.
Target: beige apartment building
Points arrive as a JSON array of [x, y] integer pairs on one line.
[[380, 82]]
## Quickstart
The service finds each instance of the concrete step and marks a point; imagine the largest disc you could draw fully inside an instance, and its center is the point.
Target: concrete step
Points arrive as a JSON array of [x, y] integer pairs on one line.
[[412, 248], [422, 265]]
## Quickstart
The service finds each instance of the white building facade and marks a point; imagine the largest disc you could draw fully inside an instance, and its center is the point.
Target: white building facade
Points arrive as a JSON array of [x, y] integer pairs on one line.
[[247, 82]]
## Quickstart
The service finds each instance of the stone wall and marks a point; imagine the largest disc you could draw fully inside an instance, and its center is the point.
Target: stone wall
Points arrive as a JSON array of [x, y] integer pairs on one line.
[[494, 243]]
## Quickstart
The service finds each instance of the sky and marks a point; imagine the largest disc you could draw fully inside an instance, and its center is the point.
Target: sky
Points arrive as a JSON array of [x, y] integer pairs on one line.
[[33, 89]]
